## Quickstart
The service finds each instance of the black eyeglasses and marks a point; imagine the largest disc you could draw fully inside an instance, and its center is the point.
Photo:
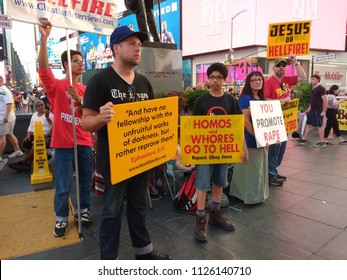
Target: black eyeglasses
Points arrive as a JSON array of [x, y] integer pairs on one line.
[[132, 95], [283, 86], [218, 78], [79, 62]]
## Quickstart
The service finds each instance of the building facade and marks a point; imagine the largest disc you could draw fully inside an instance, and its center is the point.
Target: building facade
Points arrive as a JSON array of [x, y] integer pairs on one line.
[[236, 33]]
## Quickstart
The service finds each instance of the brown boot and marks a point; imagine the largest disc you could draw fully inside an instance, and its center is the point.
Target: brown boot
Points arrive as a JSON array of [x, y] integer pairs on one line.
[[217, 219], [200, 229]]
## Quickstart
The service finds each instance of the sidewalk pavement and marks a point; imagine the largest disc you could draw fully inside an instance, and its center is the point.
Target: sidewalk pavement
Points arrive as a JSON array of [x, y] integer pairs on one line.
[[304, 219]]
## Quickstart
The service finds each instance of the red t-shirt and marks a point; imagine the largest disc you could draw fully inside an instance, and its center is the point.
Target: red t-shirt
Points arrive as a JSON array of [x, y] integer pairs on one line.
[[62, 133], [276, 90]]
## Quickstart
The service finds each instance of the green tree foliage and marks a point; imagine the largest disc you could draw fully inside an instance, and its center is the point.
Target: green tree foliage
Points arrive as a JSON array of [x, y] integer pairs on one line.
[[191, 96], [303, 92]]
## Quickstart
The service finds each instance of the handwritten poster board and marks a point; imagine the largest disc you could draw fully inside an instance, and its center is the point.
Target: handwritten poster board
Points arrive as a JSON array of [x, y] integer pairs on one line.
[[142, 135], [211, 139], [268, 122]]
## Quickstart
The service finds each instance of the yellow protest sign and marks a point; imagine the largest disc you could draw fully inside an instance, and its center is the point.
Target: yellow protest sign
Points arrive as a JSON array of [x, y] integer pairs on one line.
[[288, 38], [342, 116], [290, 114], [141, 136], [211, 139]]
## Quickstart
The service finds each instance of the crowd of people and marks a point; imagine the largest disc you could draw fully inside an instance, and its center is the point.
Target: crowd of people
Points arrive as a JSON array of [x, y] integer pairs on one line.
[[93, 109]]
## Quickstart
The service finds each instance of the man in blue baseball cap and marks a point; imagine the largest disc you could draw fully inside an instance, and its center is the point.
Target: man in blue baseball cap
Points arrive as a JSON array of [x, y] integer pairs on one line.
[[119, 84], [123, 32]]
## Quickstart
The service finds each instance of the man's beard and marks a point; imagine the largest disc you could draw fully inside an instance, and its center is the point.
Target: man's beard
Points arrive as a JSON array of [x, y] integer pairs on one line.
[[280, 74]]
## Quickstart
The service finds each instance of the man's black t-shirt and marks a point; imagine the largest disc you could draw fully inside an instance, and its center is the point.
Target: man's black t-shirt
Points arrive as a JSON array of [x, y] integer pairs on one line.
[[316, 101], [107, 86]]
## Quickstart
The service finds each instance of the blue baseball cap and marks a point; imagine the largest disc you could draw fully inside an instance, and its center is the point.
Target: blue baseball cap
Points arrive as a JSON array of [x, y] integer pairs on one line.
[[123, 32]]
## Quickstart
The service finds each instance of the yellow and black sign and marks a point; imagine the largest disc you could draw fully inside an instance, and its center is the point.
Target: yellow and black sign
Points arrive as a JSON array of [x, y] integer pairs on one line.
[[290, 114], [141, 136], [41, 172], [288, 38], [342, 116], [212, 139]]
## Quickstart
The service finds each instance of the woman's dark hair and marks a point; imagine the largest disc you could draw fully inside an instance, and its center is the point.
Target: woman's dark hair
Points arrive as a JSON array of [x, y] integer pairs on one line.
[[72, 53], [217, 66], [247, 88], [332, 88]]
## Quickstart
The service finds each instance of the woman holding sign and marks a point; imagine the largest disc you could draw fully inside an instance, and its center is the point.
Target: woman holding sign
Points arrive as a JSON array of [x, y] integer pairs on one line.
[[250, 181]]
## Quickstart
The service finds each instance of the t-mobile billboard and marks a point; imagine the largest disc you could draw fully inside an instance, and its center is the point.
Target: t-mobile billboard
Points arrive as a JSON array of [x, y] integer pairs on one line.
[[228, 24]]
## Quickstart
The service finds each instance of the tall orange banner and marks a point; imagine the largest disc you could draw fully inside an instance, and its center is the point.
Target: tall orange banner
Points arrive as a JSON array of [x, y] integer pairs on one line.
[[142, 135], [211, 139], [288, 38]]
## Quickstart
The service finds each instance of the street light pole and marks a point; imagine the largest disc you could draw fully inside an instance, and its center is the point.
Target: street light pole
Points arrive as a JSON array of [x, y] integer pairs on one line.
[[231, 51], [232, 30]]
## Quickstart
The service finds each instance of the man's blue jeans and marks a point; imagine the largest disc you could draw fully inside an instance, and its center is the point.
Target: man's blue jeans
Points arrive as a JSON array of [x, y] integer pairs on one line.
[[64, 168], [134, 190], [276, 153]]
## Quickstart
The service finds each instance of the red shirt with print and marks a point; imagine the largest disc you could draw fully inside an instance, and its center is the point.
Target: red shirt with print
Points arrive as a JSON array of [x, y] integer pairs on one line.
[[62, 133], [276, 90]]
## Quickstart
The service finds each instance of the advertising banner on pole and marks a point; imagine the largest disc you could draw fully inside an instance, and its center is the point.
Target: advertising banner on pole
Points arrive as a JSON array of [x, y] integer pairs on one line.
[[98, 16]]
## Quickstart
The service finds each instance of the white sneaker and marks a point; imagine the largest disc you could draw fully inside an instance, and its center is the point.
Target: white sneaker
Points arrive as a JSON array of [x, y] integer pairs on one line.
[[16, 154], [0, 159]]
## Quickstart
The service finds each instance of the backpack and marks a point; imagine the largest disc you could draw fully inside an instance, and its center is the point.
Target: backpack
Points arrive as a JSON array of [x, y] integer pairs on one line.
[[185, 199]]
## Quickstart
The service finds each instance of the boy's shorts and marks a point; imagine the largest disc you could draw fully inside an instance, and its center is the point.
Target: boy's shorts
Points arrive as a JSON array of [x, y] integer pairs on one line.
[[204, 172]]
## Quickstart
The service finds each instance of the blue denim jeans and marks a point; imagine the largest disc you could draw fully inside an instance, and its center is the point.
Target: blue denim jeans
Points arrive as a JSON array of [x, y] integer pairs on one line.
[[64, 168], [276, 153], [134, 190], [204, 172]]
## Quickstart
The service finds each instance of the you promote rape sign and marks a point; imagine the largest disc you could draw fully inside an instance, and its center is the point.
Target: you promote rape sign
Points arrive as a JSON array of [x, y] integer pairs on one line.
[[287, 38], [211, 139], [142, 136], [268, 122], [290, 114]]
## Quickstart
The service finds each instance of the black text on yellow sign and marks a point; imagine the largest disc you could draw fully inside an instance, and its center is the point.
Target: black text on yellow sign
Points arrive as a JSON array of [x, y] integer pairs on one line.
[[141, 136], [290, 114], [342, 116], [288, 38], [211, 139], [41, 172]]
